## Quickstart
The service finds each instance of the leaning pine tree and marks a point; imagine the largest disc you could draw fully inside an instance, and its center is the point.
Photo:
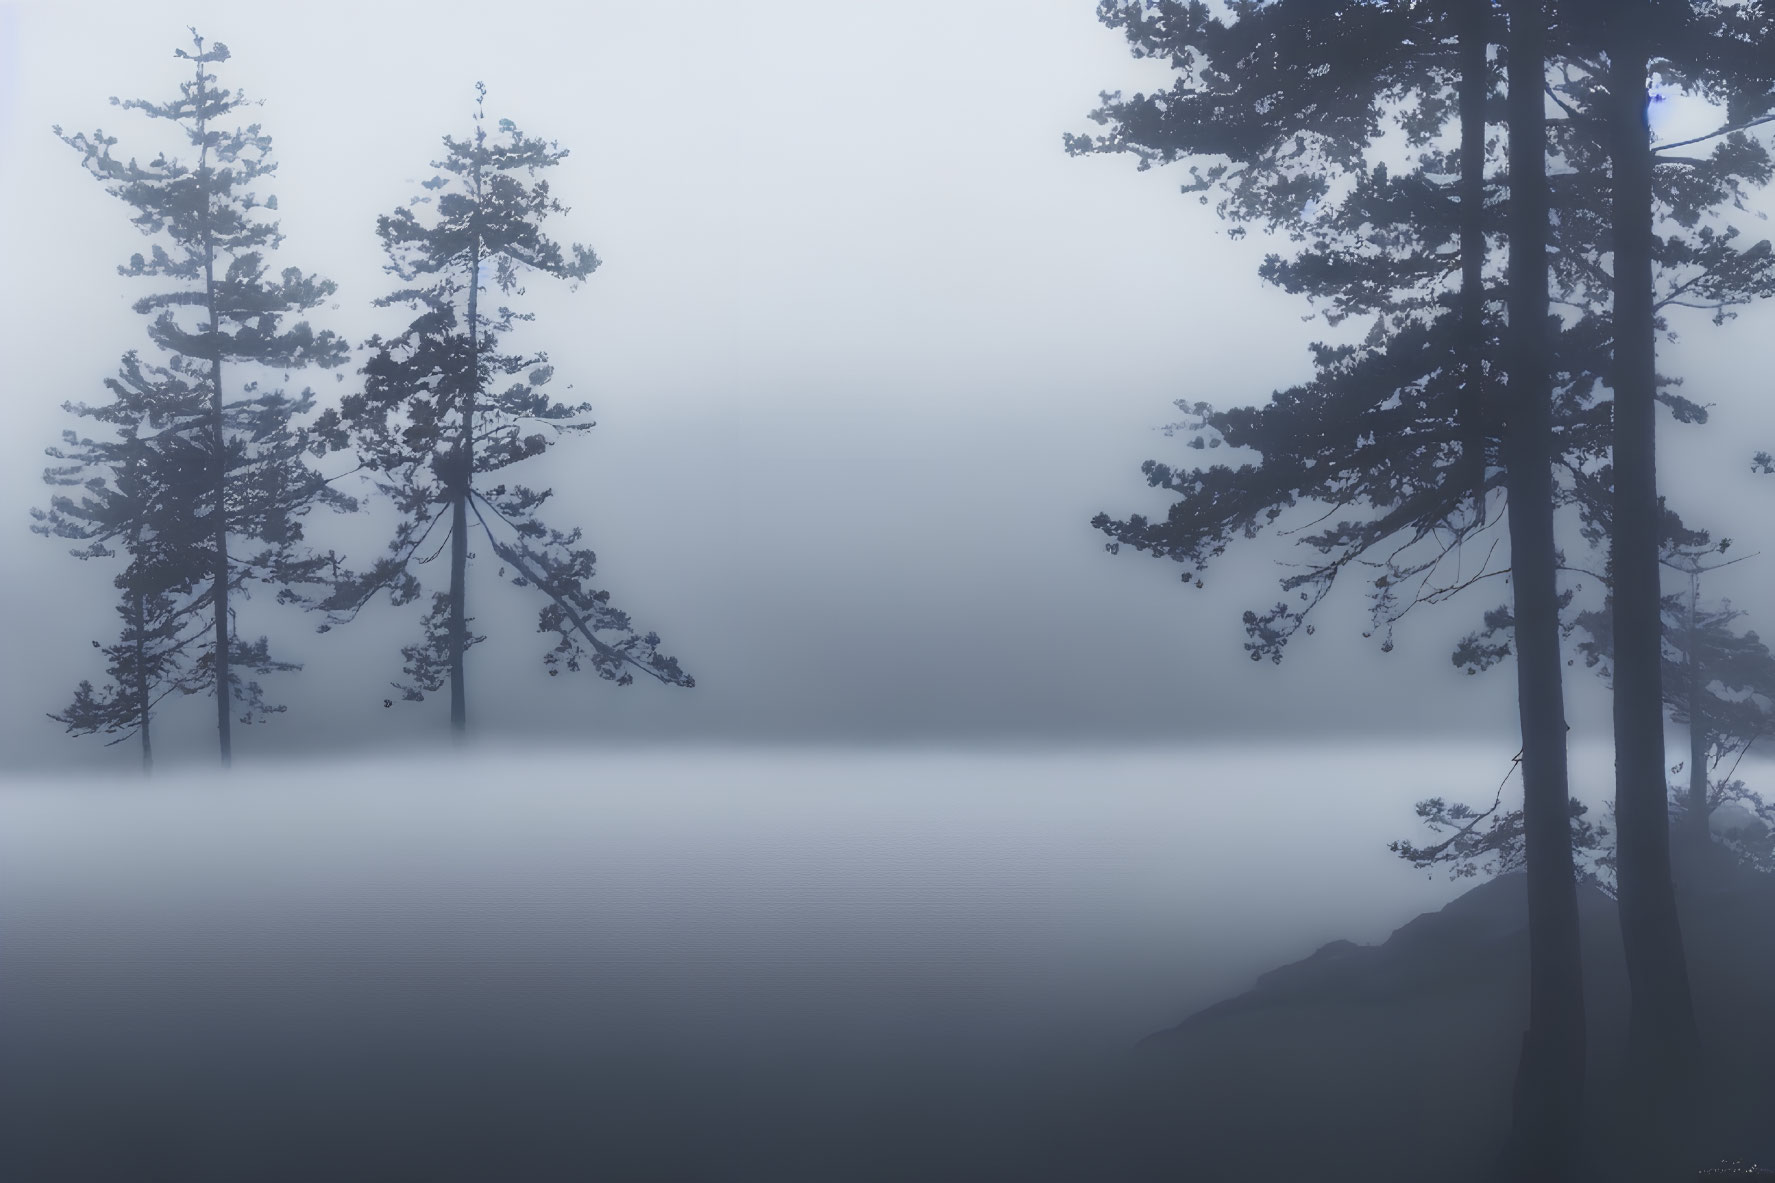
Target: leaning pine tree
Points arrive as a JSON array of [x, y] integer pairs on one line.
[[445, 408], [216, 312]]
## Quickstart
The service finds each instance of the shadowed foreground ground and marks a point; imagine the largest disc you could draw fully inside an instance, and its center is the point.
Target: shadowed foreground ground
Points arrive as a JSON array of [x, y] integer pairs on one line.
[[1394, 1061], [1380, 1063]]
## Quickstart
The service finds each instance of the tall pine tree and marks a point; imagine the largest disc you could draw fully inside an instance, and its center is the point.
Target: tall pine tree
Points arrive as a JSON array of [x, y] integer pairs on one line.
[[1402, 425], [1663, 1042], [1549, 1094], [221, 318], [445, 408], [1280, 107]]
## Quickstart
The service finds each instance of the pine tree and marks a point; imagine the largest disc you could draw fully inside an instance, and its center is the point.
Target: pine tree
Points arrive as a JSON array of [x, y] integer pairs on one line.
[[1722, 690], [136, 497], [1264, 99], [1288, 97], [1550, 1081], [1663, 1041], [1715, 51], [1393, 426], [1718, 683], [445, 404], [219, 316]]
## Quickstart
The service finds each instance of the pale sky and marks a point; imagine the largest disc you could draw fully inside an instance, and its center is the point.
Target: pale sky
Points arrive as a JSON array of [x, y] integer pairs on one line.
[[868, 351]]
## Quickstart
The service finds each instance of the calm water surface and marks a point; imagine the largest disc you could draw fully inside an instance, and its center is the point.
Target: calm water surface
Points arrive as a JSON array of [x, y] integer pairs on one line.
[[706, 965]]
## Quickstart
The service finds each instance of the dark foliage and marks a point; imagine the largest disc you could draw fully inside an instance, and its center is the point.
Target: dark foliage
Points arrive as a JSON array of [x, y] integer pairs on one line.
[[207, 479], [446, 408]]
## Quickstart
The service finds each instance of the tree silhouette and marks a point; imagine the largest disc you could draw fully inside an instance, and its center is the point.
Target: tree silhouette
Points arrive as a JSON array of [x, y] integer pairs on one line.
[[1550, 1080], [444, 404], [1719, 684], [1408, 433], [136, 495], [217, 311], [1394, 426]]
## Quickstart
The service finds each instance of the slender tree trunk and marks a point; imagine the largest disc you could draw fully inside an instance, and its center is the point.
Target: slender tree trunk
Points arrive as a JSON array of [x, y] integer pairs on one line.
[[139, 624], [138, 613], [458, 609], [1475, 87], [464, 486], [1549, 1090], [1699, 733], [219, 442], [1661, 1032]]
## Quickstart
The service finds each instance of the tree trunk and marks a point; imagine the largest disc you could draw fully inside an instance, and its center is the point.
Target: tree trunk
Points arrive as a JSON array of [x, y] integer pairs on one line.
[[458, 611], [1475, 87], [1699, 735], [219, 442], [139, 624], [459, 528], [138, 611], [1661, 1031], [1549, 1090], [464, 487]]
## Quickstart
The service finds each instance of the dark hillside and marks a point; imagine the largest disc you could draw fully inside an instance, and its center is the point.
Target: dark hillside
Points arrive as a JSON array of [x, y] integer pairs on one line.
[[1394, 1061]]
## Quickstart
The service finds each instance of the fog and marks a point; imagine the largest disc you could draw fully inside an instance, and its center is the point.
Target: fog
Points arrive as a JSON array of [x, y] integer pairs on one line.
[[736, 965], [961, 808], [867, 353]]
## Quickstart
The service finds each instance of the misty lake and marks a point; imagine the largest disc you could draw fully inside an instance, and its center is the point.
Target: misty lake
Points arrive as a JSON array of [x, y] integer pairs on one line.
[[660, 964]]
